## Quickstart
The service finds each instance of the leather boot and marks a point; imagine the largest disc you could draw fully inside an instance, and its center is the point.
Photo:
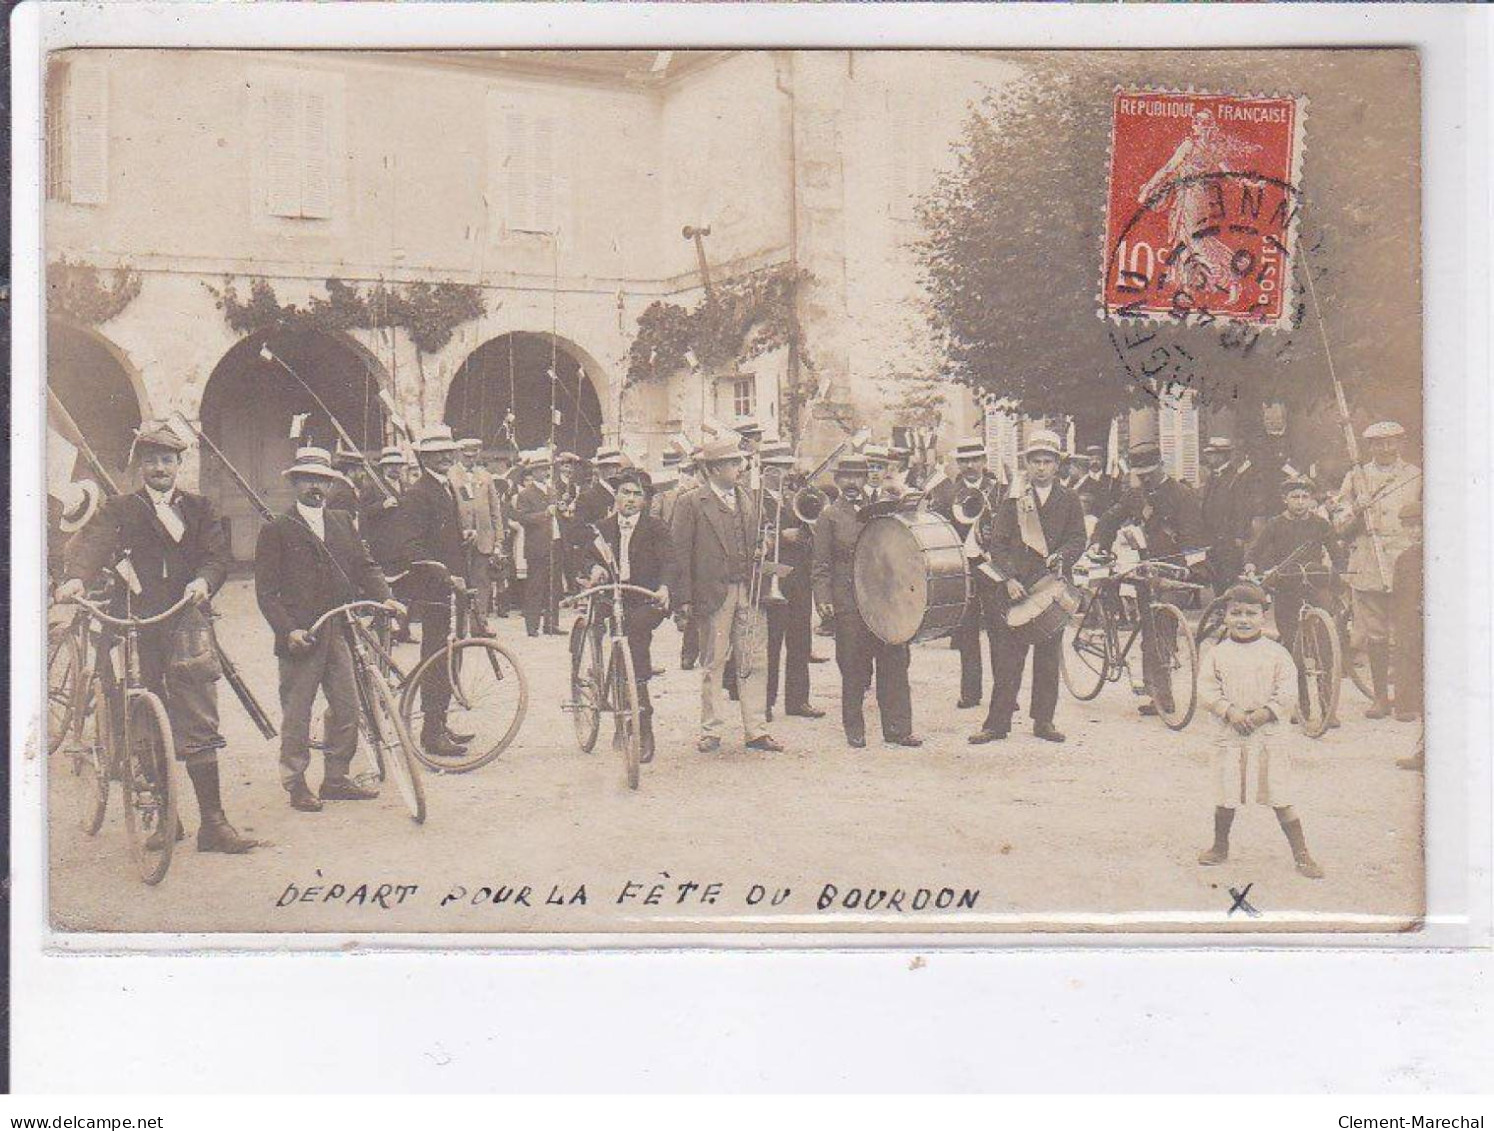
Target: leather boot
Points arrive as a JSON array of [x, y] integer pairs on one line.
[[217, 835], [301, 797]]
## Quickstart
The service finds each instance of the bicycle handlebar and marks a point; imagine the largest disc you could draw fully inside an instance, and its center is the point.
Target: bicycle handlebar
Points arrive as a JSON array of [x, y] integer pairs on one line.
[[132, 622], [439, 568], [576, 598], [350, 607]]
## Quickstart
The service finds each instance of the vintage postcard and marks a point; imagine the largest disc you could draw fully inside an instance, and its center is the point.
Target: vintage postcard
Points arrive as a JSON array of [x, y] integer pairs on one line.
[[710, 493]]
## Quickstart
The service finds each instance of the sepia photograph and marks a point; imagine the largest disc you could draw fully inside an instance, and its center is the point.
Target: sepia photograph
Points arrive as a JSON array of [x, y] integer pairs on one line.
[[733, 492]]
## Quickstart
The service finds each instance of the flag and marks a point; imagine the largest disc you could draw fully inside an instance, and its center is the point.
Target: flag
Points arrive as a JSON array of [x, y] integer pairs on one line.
[[1113, 448]]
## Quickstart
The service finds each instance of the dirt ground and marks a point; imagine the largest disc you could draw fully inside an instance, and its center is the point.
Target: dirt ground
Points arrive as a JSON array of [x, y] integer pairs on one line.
[[1099, 833]]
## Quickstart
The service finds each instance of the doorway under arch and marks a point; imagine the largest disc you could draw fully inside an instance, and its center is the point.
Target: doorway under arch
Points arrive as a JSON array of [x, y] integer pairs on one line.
[[512, 373], [248, 407], [96, 388]]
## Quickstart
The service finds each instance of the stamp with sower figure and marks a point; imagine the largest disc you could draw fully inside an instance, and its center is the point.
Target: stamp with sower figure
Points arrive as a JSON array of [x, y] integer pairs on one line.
[[1202, 210]]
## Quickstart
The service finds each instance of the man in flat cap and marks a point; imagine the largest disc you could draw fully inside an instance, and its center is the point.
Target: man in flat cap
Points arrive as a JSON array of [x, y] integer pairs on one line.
[[1369, 513], [176, 547], [1171, 522], [309, 560]]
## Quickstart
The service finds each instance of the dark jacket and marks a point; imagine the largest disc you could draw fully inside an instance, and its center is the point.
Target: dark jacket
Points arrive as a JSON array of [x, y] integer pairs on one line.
[[701, 533], [1168, 513], [430, 527], [1282, 536], [298, 577], [1226, 504], [532, 509], [1062, 522], [650, 564], [942, 498], [128, 524], [835, 535]]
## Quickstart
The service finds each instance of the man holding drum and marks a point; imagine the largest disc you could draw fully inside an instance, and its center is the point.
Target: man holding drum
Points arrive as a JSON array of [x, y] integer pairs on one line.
[[857, 650], [1038, 534]]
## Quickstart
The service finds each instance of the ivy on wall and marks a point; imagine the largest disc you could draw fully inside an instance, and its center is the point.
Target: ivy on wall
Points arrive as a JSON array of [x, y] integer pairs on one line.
[[742, 319], [428, 312], [87, 295]]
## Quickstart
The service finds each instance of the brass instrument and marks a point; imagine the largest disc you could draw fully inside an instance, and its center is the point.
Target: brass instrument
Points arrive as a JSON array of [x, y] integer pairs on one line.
[[969, 508], [809, 501]]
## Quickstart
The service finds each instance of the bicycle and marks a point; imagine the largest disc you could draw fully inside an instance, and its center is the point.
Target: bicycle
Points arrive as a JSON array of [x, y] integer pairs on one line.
[[1094, 655], [1317, 647], [67, 665], [488, 687], [129, 740], [380, 719], [606, 686]]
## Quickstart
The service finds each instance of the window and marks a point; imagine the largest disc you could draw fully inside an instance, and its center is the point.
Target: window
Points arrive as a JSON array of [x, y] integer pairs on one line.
[[525, 189], [743, 396], [298, 182], [1177, 434], [77, 132]]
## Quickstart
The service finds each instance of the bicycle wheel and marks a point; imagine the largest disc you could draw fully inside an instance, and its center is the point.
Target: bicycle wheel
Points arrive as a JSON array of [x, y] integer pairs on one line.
[[1178, 656], [1211, 629], [1355, 657], [64, 674], [586, 685], [1321, 666], [496, 697], [145, 772], [89, 759], [1086, 652], [622, 695], [395, 751]]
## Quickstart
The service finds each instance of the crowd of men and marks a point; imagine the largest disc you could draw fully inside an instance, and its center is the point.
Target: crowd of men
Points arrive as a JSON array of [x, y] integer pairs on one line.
[[723, 537]]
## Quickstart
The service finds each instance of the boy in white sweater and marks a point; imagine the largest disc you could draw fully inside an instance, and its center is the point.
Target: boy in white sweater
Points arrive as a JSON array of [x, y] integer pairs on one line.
[[1249, 684]]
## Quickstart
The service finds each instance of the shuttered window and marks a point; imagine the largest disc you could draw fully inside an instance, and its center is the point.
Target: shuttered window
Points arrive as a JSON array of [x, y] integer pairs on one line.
[[298, 174], [525, 187], [1177, 431], [77, 132]]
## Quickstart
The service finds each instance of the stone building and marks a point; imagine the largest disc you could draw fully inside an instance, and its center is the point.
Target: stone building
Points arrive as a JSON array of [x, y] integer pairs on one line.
[[475, 235]]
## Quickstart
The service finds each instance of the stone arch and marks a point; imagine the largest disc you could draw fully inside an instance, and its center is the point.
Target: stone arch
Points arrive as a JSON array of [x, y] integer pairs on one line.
[[512, 372], [248, 405], [100, 388]]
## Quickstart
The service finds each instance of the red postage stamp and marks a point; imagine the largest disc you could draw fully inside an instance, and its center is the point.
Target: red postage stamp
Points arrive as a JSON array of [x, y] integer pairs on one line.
[[1203, 206]]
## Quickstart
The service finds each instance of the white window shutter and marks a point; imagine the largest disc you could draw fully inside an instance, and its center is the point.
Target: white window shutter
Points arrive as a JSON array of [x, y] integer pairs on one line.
[[542, 174], [89, 98], [282, 151], [316, 179], [517, 204], [1188, 438]]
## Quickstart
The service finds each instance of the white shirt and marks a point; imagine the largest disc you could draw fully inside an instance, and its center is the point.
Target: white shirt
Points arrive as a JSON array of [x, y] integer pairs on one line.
[[172, 521], [316, 518], [625, 528], [728, 498], [1043, 493]]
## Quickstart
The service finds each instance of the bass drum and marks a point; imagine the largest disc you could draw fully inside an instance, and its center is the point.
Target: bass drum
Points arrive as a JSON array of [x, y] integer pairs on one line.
[[910, 577]]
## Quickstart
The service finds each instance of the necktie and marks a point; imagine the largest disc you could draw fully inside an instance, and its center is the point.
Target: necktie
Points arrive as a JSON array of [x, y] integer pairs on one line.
[[625, 535], [169, 518]]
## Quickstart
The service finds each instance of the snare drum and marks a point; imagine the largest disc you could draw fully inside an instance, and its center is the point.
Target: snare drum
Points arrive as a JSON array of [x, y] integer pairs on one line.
[[910, 577]]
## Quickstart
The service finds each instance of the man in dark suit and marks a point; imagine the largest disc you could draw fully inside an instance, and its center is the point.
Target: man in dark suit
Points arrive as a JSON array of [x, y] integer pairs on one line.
[[431, 530], [790, 622], [175, 546], [1226, 517], [307, 561], [635, 546], [857, 650], [715, 533], [537, 513], [973, 479], [1171, 523], [1039, 532]]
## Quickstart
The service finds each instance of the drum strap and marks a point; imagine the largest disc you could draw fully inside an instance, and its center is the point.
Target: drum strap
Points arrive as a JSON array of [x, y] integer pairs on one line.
[[1030, 523]]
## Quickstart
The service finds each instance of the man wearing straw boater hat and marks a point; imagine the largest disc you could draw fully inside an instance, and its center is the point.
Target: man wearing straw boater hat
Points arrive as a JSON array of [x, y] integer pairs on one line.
[[311, 559], [665, 504], [175, 546], [478, 506], [1037, 533], [431, 530], [790, 623], [715, 532], [538, 515]]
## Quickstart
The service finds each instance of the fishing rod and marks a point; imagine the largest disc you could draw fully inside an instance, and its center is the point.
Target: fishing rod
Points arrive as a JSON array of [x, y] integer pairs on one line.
[[342, 433]]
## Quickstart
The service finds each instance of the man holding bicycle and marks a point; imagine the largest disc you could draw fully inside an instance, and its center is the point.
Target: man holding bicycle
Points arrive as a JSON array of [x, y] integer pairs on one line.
[[307, 561], [174, 546], [1171, 522]]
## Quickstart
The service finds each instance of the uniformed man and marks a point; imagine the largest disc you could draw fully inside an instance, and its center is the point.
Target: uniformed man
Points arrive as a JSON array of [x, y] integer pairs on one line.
[[1097, 489], [379, 525], [431, 530], [858, 652], [307, 561], [538, 513], [878, 458], [1368, 511], [1037, 534], [790, 623], [1168, 515], [176, 547], [477, 504], [1226, 518], [973, 479], [714, 533]]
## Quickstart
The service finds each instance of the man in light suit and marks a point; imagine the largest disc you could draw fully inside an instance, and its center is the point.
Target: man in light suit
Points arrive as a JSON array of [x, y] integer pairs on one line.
[[476, 503], [715, 532]]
